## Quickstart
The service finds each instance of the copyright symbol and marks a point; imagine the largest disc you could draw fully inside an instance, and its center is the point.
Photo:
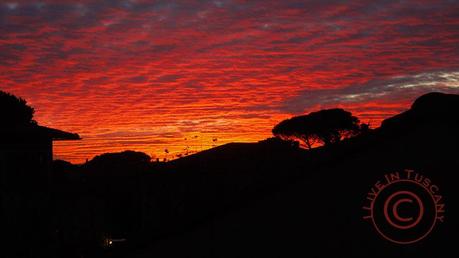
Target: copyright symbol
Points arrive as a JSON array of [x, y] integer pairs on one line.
[[404, 212], [398, 201]]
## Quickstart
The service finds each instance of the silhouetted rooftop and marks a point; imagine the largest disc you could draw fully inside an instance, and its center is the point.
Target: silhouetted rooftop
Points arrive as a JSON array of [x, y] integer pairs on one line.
[[38, 131]]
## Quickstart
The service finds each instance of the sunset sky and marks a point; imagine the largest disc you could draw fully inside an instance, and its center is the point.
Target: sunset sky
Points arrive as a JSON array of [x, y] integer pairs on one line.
[[150, 75]]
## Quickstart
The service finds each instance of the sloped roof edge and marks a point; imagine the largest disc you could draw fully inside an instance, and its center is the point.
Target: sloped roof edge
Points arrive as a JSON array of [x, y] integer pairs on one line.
[[59, 135], [40, 131]]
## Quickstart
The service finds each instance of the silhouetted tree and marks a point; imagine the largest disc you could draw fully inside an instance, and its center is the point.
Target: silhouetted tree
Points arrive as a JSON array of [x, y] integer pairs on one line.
[[14, 111], [326, 127], [116, 185], [118, 164], [364, 127]]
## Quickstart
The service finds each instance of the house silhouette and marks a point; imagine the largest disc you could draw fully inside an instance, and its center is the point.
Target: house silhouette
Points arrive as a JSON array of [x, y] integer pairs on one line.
[[26, 155]]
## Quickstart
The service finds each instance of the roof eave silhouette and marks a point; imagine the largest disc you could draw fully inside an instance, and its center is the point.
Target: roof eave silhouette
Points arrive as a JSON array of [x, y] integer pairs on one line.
[[59, 135], [40, 131]]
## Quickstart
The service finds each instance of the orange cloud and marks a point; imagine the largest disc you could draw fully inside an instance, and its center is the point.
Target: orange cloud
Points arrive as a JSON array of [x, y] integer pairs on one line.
[[176, 75]]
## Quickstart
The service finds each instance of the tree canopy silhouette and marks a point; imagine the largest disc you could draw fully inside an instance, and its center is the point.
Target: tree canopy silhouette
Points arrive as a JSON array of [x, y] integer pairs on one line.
[[325, 127], [118, 164], [14, 111]]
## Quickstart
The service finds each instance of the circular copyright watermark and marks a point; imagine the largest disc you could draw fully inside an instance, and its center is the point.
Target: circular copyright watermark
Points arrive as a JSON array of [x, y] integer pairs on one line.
[[404, 207]]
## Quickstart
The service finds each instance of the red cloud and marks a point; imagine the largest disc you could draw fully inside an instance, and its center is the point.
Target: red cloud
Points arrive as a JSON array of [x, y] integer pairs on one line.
[[145, 76]]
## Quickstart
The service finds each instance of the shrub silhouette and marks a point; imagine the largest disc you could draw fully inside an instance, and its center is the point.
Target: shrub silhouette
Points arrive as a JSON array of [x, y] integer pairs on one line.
[[14, 111], [326, 127], [118, 164]]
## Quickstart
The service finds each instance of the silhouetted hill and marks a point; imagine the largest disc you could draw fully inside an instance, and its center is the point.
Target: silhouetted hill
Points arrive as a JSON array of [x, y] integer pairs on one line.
[[263, 200], [433, 109]]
